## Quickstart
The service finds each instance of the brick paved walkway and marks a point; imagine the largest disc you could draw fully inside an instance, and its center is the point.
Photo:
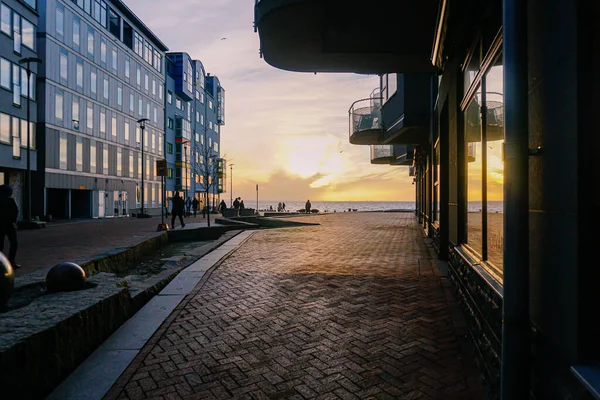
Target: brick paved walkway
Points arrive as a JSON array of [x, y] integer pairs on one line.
[[351, 309], [82, 240]]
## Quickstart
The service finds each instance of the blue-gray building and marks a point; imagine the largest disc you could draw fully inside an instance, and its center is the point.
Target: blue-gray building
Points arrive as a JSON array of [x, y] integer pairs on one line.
[[194, 114], [102, 71], [18, 27]]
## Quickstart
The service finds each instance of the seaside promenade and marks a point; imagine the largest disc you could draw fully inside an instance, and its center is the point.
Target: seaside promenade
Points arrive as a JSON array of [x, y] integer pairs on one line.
[[353, 308]]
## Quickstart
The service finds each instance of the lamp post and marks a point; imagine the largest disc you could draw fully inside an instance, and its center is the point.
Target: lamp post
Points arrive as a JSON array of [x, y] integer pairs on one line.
[[231, 185], [28, 61], [185, 161], [142, 123]]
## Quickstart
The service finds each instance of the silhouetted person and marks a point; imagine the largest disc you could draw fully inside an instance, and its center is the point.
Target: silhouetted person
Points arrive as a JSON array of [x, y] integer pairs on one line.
[[222, 207], [308, 205], [195, 203], [9, 212], [188, 206], [236, 203], [177, 211]]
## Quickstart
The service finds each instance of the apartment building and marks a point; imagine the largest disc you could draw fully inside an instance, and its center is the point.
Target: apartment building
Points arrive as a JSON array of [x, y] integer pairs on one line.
[[18, 101], [102, 83], [195, 113]]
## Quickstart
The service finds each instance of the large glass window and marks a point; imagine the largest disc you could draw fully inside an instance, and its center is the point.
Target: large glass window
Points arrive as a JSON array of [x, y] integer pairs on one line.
[[484, 133], [115, 60], [126, 131], [127, 67], [93, 82], [119, 95], [75, 113], [102, 50], [105, 158], [105, 88], [114, 23], [119, 161], [113, 126], [17, 40], [494, 139]]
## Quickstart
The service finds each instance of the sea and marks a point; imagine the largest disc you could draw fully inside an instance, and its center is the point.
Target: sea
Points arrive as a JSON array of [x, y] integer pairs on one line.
[[345, 206]]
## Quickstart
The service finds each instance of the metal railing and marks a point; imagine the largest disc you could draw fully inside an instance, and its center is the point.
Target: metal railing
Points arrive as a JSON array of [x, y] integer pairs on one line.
[[365, 114]]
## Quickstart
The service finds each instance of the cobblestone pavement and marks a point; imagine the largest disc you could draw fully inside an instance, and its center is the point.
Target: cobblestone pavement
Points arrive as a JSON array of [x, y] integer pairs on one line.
[[82, 240], [351, 309]]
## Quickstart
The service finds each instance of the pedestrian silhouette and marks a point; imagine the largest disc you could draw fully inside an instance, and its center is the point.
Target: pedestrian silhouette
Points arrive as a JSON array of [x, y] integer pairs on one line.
[[177, 210], [9, 212]]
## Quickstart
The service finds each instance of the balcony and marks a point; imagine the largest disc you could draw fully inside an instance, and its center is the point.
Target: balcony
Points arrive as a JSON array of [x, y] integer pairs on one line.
[[382, 154], [407, 112], [365, 122], [403, 155], [347, 35]]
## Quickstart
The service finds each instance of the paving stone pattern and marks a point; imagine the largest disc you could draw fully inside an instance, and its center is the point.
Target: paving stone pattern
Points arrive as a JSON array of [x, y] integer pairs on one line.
[[351, 309]]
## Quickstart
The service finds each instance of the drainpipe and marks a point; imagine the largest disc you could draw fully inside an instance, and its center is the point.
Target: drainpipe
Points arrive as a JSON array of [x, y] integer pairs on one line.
[[516, 363]]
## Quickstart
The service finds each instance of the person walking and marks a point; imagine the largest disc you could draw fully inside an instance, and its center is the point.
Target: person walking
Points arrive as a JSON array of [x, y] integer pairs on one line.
[[242, 206], [188, 206], [307, 207], [9, 212], [222, 207], [177, 210], [195, 203]]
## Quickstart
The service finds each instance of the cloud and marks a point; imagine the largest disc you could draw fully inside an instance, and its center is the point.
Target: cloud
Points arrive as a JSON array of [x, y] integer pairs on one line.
[[282, 129]]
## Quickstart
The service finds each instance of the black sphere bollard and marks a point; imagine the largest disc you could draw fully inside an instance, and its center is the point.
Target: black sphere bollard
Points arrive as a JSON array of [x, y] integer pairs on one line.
[[64, 277], [7, 280]]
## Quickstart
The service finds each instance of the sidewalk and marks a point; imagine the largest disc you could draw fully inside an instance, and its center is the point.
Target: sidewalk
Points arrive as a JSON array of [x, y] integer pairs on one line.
[[80, 240], [353, 309]]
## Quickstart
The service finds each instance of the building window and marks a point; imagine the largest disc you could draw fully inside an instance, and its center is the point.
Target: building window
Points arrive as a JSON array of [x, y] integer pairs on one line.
[[139, 76], [6, 19], [28, 34], [60, 20], [76, 29], [140, 107], [126, 131], [90, 118], [170, 123], [131, 103], [113, 126], [119, 161], [210, 104], [79, 154], [93, 157], [169, 97], [102, 120], [155, 115], [170, 173], [127, 67], [64, 64], [102, 50], [90, 46], [178, 103], [16, 137], [127, 35], [5, 68], [58, 104], [105, 88], [114, 23], [160, 91], [105, 158], [79, 73], [93, 82], [63, 150], [153, 87], [146, 81], [119, 95], [131, 164], [75, 113], [115, 60], [5, 128], [138, 44]]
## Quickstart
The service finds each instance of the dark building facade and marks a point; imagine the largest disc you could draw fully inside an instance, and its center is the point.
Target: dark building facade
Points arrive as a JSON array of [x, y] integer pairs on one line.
[[497, 101], [18, 97]]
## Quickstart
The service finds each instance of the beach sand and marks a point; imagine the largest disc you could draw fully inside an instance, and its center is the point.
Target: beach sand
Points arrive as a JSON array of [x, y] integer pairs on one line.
[[495, 225]]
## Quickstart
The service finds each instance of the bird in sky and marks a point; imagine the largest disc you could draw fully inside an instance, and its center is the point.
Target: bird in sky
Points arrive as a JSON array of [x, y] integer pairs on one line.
[[223, 38]]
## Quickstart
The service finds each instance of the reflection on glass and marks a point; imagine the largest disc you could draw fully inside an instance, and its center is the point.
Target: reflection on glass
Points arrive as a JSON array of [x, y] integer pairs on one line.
[[474, 175], [495, 164]]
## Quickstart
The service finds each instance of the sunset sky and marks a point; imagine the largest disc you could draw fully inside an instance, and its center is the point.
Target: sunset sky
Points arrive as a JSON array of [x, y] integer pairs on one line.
[[285, 131]]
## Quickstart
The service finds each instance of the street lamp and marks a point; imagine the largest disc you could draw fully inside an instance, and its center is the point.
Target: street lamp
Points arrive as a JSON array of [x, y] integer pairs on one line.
[[142, 123], [28, 61], [231, 185]]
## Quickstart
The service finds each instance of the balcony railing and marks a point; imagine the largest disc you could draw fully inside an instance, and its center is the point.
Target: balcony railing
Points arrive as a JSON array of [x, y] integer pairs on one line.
[[365, 121], [382, 153]]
